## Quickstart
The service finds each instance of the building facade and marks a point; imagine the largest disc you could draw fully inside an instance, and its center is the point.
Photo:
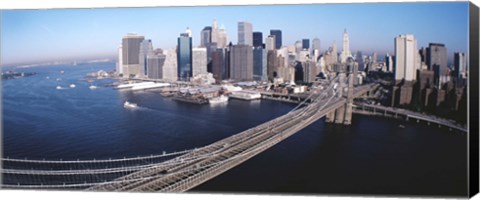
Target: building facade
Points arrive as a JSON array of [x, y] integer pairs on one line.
[[130, 54], [184, 57], [437, 56], [206, 36], [155, 66], [405, 57], [257, 39], [278, 37], [245, 33], [241, 62], [199, 61], [260, 64]]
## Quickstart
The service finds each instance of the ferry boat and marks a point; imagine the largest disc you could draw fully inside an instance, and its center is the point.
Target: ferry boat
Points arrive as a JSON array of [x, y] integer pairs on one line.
[[129, 105], [220, 99], [246, 95]]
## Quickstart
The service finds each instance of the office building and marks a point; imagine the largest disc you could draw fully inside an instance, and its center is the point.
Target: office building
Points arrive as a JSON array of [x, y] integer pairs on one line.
[[120, 61], [130, 54], [219, 64], [437, 57], [257, 39], [170, 65], [405, 53], [278, 38], [146, 49], [346, 48], [270, 42], [206, 36], [155, 64], [241, 62], [460, 64], [199, 61], [260, 64], [184, 57], [305, 44], [389, 62], [222, 39], [245, 33], [316, 48], [214, 34]]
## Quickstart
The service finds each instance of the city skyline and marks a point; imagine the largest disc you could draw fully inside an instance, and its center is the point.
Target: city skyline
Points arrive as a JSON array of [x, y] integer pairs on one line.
[[78, 33]]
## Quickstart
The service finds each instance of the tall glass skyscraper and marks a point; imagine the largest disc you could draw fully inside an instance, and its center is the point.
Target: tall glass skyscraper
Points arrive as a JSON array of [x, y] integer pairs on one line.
[[257, 39], [278, 38], [305, 43], [206, 36], [259, 64], [184, 57]]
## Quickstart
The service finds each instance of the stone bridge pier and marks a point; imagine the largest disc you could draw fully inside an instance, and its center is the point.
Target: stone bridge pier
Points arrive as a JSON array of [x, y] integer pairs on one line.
[[343, 114]]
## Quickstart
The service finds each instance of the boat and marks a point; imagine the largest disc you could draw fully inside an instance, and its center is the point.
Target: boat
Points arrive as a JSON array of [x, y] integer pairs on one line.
[[92, 87], [59, 87], [401, 126], [246, 95], [72, 85], [129, 105], [220, 99]]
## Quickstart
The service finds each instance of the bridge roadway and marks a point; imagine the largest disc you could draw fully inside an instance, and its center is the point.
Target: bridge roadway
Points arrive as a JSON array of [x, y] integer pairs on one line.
[[191, 167]]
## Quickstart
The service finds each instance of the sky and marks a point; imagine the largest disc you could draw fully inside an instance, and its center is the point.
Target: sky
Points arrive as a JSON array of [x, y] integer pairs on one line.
[[29, 36]]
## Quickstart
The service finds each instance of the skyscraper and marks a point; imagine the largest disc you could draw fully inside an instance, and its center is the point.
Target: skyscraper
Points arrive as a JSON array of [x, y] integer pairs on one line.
[[270, 42], [259, 64], [214, 34], [184, 57], [346, 48], [257, 39], [130, 54], [199, 64], [170, 65], [206, 36], [460, 63], [120, 61], [278, 38], [218, 64], [298, 46], [155, 66], [405, 53], [146, 49], [389, 62], [222, 38], [245, 33], [316, 48], [241, 62], [437, 56], [305, 44]]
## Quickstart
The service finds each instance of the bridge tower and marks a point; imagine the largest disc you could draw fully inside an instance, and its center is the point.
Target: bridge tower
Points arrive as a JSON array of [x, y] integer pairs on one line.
[[343, 114], [340, 112], [349, 104]]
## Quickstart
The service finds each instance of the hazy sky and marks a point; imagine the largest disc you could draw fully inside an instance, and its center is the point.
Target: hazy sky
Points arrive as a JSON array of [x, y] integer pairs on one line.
[[48, 35]]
